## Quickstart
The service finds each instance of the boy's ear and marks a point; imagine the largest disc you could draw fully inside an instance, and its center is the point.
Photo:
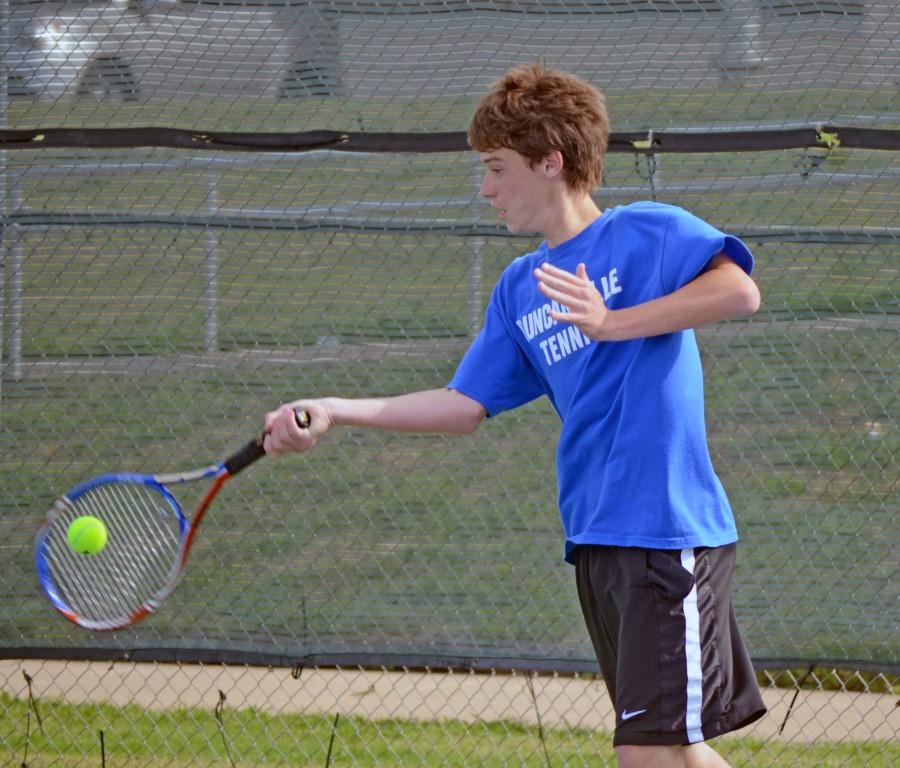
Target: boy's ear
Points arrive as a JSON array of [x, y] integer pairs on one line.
[[552, 164]]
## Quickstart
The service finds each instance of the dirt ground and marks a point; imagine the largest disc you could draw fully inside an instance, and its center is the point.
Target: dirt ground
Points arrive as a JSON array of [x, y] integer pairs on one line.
[[560, 701]]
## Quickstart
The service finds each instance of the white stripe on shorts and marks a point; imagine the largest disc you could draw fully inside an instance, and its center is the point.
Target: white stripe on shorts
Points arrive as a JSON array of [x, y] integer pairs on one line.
[[694, 704]]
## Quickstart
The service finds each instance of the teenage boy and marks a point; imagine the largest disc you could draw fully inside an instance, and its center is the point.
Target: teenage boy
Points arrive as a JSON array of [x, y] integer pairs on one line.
[[599, 320]]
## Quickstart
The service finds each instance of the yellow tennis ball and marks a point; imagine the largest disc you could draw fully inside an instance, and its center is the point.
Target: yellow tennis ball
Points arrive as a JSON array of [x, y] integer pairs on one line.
[[87, 535]]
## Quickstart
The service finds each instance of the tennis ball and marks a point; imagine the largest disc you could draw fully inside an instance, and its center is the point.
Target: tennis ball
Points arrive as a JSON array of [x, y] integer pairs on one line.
[[87, 535]]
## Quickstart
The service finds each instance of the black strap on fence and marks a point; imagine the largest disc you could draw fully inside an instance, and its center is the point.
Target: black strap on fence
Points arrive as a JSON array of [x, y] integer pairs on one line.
[[647, 142]]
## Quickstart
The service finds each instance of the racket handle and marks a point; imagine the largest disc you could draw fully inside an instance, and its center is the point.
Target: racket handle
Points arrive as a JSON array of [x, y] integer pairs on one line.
[[254, 450], [302, 418]]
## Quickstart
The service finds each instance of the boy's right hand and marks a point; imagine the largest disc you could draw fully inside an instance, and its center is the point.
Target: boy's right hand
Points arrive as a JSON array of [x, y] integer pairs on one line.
[[284, 435]]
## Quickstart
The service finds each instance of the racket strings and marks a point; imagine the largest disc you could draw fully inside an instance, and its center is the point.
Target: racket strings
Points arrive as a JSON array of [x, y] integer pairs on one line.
[[142, 520], [140, 558]]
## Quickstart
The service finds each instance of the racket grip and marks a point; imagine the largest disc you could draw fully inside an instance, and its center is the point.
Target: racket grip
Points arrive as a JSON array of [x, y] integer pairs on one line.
[[302, 418], [254, 450]]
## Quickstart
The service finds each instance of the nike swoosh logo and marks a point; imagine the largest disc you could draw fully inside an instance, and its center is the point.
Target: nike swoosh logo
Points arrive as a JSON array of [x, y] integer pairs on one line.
[[626, 715]]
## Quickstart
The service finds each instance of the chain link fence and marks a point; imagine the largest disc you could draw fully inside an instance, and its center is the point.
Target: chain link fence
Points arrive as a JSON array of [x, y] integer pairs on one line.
[[401, 600]]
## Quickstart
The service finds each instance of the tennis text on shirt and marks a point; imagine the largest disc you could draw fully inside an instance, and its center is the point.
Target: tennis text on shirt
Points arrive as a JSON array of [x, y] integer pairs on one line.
[[570, 339]]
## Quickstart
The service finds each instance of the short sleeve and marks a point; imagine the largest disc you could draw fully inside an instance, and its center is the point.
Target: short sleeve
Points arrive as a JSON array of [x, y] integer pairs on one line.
[[690, 244], [495, 372]]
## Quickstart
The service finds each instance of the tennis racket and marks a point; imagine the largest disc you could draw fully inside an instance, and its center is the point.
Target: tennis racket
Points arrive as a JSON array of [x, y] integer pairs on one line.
[[148, 541]]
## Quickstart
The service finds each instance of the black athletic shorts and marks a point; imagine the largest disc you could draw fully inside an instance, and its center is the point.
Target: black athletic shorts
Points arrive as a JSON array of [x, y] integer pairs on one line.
[[669, 649]]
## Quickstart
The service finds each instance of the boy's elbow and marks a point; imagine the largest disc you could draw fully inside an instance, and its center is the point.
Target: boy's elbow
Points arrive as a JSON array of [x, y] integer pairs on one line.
[[470, 422], [467, 415], [739, 292], [750, 298], [745, 296]]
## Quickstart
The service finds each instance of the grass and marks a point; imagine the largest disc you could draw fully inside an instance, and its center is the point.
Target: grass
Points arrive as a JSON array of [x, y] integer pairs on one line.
[[405, 541], [133, 736], [632, 109], [143, 290]]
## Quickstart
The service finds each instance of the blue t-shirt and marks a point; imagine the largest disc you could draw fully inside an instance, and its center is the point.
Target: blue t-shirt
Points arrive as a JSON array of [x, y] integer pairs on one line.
[[633, 465]]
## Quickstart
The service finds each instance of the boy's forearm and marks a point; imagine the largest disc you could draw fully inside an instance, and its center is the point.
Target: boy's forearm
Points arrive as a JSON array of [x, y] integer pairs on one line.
[[436, 410], [722, 292]]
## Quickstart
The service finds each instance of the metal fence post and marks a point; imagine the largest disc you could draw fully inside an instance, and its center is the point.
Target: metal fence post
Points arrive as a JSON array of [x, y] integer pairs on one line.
[[212, 264], [4, 219], [476, 262], [10, 245], [14, 279]]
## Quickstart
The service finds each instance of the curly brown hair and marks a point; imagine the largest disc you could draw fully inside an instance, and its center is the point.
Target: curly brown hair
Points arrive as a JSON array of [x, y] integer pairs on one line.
[[533, 110]]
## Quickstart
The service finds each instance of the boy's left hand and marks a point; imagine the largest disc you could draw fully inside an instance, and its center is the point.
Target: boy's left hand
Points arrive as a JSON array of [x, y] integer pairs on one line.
[[577, 293]]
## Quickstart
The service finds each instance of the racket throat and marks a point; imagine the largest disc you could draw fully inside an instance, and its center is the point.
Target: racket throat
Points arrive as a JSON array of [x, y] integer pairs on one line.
[[198, 517]]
